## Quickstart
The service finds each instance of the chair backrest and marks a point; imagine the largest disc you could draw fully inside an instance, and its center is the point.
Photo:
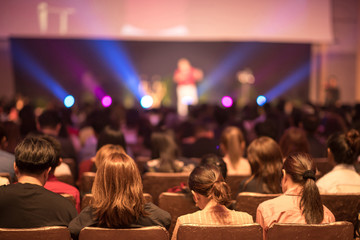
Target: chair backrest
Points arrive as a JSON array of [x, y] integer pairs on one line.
[[156, 183], [43, 233], [177, 204], [6, 175], [249, 202], [87, 181], [69, 179], [144, 233], [345, 207], [234, 182], [212, 232], [329, 231], [69, 197], [323, 166], [86, 199], [73, 168]]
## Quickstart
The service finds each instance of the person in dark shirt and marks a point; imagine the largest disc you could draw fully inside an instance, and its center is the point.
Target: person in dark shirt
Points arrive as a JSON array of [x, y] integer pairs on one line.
[[27, 204]]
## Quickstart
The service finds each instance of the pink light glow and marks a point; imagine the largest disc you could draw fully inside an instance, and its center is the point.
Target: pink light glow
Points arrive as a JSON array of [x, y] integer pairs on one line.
[[106, 101], [227, 101]]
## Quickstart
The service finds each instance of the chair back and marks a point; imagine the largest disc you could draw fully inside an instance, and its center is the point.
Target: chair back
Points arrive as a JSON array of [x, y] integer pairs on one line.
[[6, 175], [323, 166], [144, 233], [42, 233], [345, 207], [213, 232], [69, 197], [177, 204], [156, 183], [69, 179], [87, 181], [86, 199], [329, 231], [234, 182], [249, 202]]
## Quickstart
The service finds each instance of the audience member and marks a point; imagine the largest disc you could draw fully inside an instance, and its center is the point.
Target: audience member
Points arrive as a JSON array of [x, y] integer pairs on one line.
[[265, 159], [232, 144], [343, 150], [53, 184], [27, 204], [105, 151], [293, 140], [118, 199], [301, 202], [6, 159], [211, 194]]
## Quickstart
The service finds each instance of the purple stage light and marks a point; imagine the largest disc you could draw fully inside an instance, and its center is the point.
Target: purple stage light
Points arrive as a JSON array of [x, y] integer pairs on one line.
[[227, 101], [106, 101]]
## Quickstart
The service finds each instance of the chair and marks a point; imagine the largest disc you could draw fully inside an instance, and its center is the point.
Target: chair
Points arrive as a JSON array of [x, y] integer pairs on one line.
[[6, 175], [69, 197], [211, 232], [156, 183], [249, 202], [42, 233], [85, 201], [69, 179], [177, 204], [73, 168], [87, 180], [345, 207], [234, 182], [323, 166], [329, 231], [144, 233]]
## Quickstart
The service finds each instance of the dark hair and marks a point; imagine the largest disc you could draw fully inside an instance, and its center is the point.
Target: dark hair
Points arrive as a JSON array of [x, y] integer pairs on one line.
[[208, 181], [57, 147], [265, 159], [164, 147], [111, 136], [34, 155], [294, 140], [310, 122], [345, 147], [49, 118], [301, 168], [213, 159]]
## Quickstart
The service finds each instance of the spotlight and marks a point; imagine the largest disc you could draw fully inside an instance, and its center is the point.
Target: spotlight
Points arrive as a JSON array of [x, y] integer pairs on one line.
[[106, 101], [227, 101], [261, 100], [69, 101], [146, 101]]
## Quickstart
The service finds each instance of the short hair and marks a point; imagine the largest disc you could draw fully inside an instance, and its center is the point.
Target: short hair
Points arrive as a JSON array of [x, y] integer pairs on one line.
[[111, 136], [49, 118], [34, 154], [57, 147]]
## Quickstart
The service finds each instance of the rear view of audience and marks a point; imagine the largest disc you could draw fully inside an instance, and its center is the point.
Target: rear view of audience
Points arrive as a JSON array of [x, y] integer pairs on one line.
[[301, 202], [265, 159], [211, 194], [343, 150], [6, 159], [232, 144], [118, 199], [293, 140], [27, 204]]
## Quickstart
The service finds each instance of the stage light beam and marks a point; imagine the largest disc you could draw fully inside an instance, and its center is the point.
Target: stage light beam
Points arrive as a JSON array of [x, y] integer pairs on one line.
[[69, 101]]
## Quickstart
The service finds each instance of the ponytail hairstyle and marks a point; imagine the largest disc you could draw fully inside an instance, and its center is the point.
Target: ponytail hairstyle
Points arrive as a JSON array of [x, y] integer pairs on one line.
[[345, 147], [301, 169], [231, 140], [208, 181]]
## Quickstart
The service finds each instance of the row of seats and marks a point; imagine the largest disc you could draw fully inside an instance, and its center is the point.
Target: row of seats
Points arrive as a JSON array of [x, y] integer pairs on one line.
[[331, 231]]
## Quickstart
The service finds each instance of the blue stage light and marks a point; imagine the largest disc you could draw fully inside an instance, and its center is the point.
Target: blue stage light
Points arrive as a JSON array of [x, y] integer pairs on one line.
[[261, 100], [69, 101], [146, 101]]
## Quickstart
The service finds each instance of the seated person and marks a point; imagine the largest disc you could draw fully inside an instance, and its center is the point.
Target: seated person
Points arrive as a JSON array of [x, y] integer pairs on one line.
[[118, 199], [211, 194], [265, 159], [53, 184], [27, 204], [301, 202], [343, 150], [6, 159]]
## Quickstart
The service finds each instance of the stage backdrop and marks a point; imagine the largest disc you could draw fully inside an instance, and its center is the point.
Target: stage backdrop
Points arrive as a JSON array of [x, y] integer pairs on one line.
[[47, 68]]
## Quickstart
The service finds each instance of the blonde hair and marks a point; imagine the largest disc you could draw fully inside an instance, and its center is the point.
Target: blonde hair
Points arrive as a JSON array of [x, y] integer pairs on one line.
[[232, 139], [105, 151], [118, 192]]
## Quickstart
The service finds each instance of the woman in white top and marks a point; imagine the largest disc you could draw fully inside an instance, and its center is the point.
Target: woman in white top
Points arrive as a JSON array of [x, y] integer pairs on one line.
[[232, 144], [343, 150]]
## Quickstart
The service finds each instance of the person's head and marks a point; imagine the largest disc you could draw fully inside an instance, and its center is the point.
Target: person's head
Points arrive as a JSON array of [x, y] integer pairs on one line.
[[49, 119], [299, 170], [293, 140], [164, 147], [34, 157], [118, 192], [3, 138], [213, 159], [310, 122], [105, 151], [232, 143], [265, 159], [57, 147], [207, 183], [184, 64], [111, 136], [344, 148]]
